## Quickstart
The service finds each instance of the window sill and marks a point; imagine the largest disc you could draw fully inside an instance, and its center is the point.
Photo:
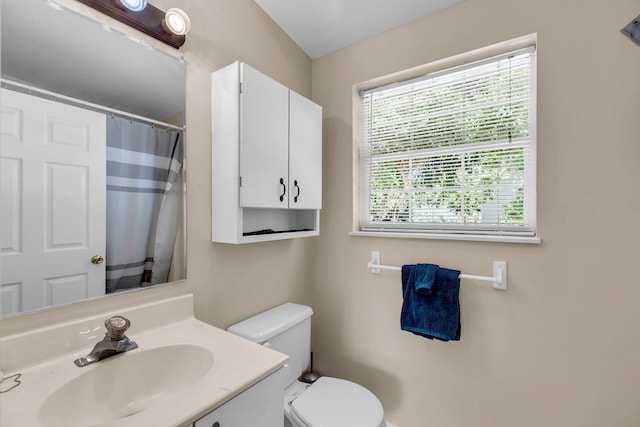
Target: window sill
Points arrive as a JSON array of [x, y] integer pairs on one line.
[[464, 237]]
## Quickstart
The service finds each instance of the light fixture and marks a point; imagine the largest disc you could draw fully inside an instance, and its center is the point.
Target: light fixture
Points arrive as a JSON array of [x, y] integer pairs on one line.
[[132, 5], [176, 22], [168, 28]]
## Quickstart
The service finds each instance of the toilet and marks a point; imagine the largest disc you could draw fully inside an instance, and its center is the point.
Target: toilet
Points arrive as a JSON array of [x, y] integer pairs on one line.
[[328, 402]]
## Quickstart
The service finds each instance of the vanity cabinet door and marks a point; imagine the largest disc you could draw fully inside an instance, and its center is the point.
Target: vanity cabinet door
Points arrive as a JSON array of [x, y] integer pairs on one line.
[[260, 405], [264, 141]]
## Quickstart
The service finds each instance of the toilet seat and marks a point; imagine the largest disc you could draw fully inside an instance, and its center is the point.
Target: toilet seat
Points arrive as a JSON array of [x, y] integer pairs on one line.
[[337, 403]]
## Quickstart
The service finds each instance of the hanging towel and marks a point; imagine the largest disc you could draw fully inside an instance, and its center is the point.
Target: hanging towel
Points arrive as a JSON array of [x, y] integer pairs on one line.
[[425, 277], [431, 310]]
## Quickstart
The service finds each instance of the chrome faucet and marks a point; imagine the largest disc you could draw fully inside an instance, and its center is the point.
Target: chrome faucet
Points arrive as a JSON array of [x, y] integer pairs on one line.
[[114, 342]]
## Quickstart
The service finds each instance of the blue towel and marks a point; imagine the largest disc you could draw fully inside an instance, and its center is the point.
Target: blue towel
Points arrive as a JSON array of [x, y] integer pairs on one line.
[[424, 277], [435, 314]]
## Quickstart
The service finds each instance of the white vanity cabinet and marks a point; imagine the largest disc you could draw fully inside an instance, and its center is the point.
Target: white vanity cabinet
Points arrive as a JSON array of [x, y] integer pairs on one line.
[[266, 159], [260, 405]]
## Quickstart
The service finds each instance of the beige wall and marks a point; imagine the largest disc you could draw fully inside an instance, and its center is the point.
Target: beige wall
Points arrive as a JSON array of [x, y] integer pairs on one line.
[[561, 347]]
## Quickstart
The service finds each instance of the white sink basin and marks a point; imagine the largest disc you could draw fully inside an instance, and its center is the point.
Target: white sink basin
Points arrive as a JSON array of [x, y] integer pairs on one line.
[[181, 370], [125, 385]]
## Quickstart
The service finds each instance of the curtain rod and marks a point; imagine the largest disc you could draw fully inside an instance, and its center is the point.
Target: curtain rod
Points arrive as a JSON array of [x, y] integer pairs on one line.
[[92, 106]]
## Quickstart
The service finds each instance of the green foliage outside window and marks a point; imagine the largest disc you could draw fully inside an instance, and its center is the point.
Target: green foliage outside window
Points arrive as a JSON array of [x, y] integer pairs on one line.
[[451, 151]]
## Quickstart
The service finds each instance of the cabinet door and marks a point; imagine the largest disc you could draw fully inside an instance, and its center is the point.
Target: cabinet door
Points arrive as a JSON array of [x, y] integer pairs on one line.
[[260, 405], [305, 153], [264, 141]]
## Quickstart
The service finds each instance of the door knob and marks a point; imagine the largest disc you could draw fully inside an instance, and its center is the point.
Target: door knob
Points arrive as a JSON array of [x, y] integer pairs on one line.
[[97, 259]]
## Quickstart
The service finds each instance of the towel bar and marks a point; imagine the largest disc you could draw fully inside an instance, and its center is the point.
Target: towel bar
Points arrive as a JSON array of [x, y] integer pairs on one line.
[[499, 278]]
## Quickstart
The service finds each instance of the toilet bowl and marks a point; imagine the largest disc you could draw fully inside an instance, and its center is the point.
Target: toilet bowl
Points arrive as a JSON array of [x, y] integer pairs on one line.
[[332, 402], [328, 402]]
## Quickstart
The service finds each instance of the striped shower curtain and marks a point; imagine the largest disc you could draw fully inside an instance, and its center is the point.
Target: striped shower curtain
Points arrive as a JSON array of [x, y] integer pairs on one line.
[[143, 169]]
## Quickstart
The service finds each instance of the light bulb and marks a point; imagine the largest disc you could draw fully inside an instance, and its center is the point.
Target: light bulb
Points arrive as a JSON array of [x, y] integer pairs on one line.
[[132, 5], [176, 22]]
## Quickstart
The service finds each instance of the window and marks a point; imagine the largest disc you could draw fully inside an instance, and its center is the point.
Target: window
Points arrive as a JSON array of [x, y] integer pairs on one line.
[[452, 152]]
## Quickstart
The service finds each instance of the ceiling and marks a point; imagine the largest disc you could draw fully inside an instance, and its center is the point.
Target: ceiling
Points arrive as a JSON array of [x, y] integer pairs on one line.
[[52, 48], [320, 27]]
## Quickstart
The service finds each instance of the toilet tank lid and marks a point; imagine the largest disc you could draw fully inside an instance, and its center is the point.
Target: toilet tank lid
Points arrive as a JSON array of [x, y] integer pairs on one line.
[[264, 326]]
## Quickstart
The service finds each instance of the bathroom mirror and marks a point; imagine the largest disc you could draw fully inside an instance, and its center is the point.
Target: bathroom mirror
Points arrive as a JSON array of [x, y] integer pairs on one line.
[[83, 85]]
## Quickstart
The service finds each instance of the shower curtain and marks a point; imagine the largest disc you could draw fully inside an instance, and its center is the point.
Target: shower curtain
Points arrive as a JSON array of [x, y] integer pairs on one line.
[[143, 170]]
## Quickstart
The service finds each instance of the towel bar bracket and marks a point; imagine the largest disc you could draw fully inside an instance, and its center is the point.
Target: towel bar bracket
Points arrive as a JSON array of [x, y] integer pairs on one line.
[[500, 274], [375, 262]]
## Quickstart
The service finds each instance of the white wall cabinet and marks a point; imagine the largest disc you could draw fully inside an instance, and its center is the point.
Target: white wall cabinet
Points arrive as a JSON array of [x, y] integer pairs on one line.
[[260, 405], [266, 159]]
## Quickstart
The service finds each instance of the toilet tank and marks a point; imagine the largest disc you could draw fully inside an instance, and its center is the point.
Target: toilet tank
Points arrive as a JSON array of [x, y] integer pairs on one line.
[[285, 328]]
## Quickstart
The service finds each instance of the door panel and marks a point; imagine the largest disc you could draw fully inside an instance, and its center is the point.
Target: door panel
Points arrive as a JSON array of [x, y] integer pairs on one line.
[[67, 210]]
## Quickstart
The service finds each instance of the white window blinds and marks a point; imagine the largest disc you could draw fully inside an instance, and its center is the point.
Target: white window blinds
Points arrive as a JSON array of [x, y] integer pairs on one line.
[[453, 151]]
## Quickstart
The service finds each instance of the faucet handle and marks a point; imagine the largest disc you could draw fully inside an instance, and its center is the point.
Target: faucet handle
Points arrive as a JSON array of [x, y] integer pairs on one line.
[[116, 326]]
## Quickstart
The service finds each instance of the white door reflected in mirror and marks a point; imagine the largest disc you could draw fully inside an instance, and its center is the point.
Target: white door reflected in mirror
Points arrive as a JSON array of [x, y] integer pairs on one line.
[[53, 202]]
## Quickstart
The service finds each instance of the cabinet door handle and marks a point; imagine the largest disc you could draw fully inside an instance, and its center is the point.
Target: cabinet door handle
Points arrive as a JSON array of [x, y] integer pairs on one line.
[[216, 424], [295, 183], [284, 189]]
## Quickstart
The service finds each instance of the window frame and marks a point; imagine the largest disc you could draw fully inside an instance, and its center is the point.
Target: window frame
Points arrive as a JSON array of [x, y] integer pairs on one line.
[[503, 234]]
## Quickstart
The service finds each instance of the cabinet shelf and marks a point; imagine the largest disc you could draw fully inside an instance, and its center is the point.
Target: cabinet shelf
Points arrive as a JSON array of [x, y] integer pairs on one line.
[[285, 223]]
